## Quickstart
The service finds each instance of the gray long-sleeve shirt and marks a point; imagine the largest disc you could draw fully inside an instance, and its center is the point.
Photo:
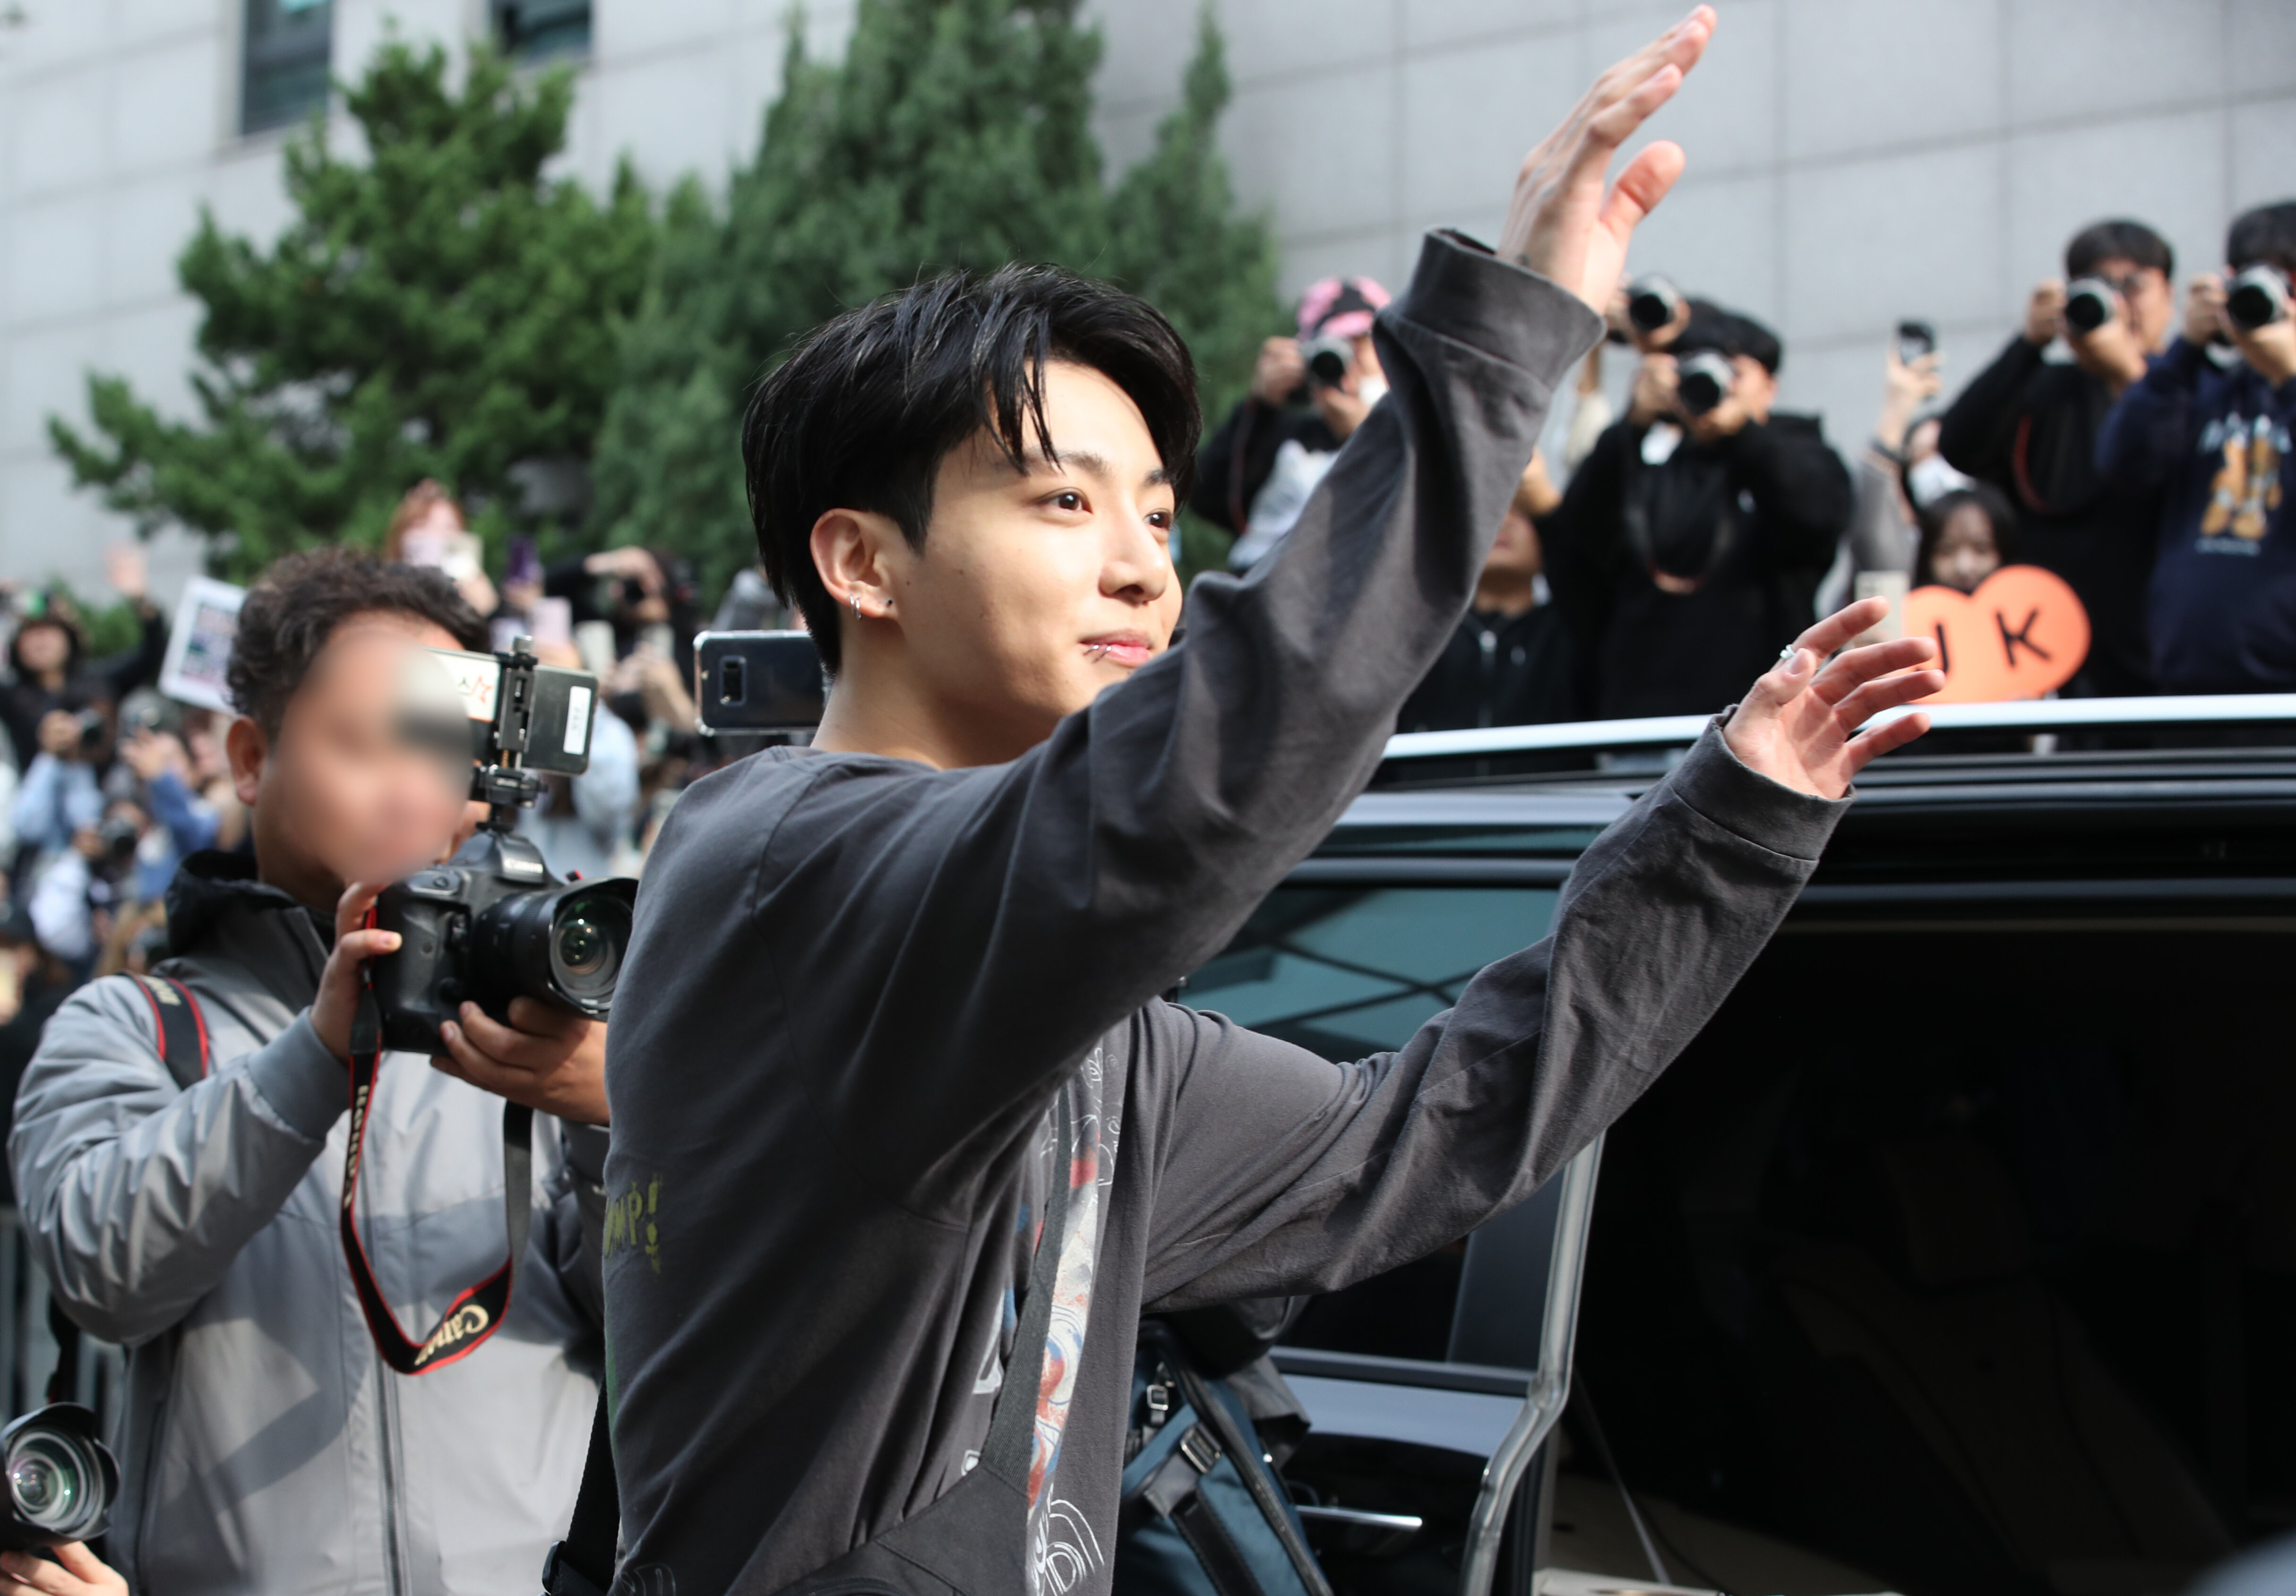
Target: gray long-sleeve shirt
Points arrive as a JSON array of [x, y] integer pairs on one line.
[[858, 984]]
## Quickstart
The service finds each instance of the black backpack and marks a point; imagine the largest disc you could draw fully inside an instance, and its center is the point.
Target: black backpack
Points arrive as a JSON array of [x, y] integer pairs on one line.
[[1204, 1510]]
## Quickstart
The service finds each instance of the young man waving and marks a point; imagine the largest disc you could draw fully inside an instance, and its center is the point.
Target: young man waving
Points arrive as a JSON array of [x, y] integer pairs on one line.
[[905, 1138]]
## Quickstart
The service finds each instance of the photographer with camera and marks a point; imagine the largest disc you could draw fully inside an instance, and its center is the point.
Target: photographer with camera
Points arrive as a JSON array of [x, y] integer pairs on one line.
[[2027, 425], [2209, 443], [197, 1210], [51, 676], [906, 1136], [1309, 395], [1691, 543]]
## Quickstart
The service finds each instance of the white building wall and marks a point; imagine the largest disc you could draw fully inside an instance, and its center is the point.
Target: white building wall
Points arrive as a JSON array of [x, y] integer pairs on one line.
[[1851, 161]]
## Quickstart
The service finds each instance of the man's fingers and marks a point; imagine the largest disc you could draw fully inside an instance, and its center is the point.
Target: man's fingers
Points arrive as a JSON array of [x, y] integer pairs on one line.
[[1837, 629], [1859, 665], [538, 1018], [1888, 693], [350, 909], [32, 1571], [78, 1561], [465, 1062], [1640, 187], [1870, 745], [366, 944]]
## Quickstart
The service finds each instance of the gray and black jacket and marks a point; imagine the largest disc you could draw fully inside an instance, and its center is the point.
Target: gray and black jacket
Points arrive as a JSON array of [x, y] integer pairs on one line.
[[859, 986], [265, 1447]]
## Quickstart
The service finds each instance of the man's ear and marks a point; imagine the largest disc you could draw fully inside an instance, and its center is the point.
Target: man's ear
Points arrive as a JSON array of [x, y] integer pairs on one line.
[[852, 553], [247, 748]]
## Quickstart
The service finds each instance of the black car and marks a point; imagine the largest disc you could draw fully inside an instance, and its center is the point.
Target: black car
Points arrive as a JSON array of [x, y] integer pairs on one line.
[[1982, 1280]]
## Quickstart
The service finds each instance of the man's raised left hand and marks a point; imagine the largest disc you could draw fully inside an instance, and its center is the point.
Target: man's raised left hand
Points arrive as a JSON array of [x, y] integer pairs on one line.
[[1798, 723]]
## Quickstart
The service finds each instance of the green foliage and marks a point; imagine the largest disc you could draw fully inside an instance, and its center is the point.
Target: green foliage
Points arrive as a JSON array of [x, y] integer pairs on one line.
[[440, 309], [955, 132]]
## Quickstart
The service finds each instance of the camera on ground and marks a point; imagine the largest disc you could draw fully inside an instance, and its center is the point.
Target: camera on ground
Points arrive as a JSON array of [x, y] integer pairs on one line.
[[493, 923], [2256, 297], [63, 1479], [1702, 381]]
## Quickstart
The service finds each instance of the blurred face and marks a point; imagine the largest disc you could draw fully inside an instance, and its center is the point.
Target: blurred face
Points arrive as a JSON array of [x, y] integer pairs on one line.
[[1516, 553], [1966, 552], [338, 795], [2146, 298], [42, 647], [1036, 589]]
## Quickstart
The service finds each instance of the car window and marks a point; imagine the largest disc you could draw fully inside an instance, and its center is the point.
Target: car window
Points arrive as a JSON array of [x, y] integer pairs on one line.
[[1350, 970]]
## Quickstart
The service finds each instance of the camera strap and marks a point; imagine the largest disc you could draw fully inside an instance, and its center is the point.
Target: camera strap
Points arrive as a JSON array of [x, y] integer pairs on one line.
[[478, 1312]]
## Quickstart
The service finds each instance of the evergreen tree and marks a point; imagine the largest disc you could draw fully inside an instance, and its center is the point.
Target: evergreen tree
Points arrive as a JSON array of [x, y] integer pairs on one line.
[[955, 132], [438, 309]]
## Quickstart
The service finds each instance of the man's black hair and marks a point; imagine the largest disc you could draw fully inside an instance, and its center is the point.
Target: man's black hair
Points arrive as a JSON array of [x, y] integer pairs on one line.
[[2267, 233], [861, 416], [1731, 331], [297, 604], [2119, 239]]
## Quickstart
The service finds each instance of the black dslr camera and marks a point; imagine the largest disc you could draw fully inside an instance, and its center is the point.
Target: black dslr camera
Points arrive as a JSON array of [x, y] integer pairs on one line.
[[492, 923], [63, 1479]]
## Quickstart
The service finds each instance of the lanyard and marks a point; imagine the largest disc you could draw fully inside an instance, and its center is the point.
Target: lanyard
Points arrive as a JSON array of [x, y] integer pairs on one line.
[[478, 1312]]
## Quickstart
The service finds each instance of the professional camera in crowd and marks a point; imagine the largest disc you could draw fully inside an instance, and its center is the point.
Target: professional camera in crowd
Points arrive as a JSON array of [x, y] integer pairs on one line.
[[2256, 297], [63, 1479], [492, 923], [1703, 379], [1329, 360], [1653, 303], [2090, 302]]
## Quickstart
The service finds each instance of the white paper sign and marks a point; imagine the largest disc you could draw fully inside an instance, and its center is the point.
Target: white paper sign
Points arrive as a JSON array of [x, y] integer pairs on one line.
[[198, 647]]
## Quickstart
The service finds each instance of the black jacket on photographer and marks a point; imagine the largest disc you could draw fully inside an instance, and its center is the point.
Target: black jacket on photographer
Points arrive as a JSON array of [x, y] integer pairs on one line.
[[1234, 465], [1683, 567], [89, 683], [1498, 670], [2029, 426]]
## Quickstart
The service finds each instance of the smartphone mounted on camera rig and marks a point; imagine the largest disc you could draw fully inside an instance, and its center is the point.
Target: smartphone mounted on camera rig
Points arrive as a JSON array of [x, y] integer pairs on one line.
[[492, 923]]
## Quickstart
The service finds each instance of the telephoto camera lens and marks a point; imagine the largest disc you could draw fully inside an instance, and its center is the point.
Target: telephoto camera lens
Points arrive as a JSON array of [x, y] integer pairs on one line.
[[62, 1479], [565, 946], [2257, 297], [1652, 303], [2089, 304]]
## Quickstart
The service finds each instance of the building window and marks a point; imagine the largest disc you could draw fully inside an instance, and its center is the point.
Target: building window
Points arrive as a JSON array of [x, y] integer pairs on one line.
[[531, 29], [289, 45]]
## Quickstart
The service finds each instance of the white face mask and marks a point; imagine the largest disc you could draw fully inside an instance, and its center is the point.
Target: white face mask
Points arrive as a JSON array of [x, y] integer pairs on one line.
[[1930, 479], [1371, 390]]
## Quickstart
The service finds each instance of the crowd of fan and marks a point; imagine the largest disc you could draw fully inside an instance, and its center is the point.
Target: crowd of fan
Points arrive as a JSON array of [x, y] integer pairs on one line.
[[1652, 570], [1660, 563]]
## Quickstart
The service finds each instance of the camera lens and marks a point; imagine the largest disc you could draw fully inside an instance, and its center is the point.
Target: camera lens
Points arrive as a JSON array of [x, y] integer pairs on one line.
[[564, 944], [2089, 305], [1328, 367], [1652, 302], [586, 947], [55, 1482], [2256, 297]]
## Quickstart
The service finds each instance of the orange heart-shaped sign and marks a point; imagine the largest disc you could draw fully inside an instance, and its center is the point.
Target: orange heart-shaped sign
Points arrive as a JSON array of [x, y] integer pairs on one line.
[[2021, 633]]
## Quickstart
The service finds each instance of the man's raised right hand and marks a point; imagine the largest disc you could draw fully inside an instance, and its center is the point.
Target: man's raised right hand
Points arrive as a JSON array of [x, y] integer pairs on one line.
[[1563, 222]]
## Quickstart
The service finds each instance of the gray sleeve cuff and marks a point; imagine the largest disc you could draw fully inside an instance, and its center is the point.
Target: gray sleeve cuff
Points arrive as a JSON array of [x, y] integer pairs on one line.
[[1463, 291], [1716, 783], [299, 1080]]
